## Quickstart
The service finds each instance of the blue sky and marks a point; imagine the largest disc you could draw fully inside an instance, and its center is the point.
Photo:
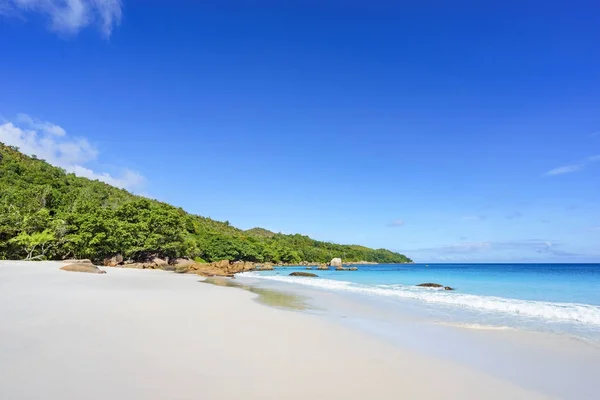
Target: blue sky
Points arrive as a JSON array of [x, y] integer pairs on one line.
[[455, 133]]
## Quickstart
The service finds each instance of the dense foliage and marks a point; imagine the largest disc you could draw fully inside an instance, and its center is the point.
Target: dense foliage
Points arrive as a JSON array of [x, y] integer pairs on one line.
[[46, 213]]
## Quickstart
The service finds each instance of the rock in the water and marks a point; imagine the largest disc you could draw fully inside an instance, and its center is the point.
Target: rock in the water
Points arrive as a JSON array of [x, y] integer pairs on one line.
[[336, 262], [83, 267], [435, 285], [305, 274], [323, 267]]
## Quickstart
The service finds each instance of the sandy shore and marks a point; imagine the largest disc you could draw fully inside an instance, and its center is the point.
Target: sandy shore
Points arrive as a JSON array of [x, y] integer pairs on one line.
[[132, 334]]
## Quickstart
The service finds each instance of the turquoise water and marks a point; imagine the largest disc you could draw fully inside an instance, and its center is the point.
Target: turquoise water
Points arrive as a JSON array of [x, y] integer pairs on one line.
[[560, 298], [537, 325]]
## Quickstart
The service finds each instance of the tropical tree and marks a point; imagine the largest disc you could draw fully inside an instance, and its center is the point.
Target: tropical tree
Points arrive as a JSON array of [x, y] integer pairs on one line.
[[36, 243]]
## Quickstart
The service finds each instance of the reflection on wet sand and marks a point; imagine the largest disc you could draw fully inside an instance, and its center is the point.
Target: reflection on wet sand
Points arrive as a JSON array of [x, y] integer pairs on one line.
[[268, 297]]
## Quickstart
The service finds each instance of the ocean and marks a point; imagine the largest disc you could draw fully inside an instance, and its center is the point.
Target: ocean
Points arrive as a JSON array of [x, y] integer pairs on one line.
[[537, 325], [560, 298]]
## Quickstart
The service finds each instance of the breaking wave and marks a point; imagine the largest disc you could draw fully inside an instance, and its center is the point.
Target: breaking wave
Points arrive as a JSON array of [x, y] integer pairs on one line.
[[548, 311]]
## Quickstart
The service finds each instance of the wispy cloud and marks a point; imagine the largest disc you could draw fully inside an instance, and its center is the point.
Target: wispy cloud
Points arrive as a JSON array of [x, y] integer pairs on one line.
[[474, 218], [514, 215], [395, 224], [577, 166], [493, 251], [565, 169], [68, 16], [50, 142]]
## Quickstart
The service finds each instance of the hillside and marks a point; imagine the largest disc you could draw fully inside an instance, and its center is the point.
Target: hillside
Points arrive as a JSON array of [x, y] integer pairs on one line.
[[46, 213], [260, 232]]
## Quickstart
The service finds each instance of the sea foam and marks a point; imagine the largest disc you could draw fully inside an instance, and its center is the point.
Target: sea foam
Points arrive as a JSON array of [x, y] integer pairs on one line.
[[548, 311]]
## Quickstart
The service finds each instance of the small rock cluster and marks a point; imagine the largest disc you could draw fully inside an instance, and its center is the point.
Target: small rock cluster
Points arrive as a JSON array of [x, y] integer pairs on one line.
[[435, 285]]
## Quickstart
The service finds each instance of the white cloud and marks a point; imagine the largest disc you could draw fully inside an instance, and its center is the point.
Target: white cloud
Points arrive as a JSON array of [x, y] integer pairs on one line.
[[69, 16], [566, 169], [50, 142], [128, 180], [46, 127]]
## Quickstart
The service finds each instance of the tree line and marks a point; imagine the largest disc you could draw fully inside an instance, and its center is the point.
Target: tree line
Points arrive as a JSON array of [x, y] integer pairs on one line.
[[46, 213]]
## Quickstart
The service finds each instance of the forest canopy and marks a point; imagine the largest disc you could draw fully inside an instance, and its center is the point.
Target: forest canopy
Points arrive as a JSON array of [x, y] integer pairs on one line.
[[46, 213]]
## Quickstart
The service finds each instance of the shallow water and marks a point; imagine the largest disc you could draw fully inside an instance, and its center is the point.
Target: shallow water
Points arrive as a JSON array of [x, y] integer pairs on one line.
[[269, 297], [537, 326], [558, 298]]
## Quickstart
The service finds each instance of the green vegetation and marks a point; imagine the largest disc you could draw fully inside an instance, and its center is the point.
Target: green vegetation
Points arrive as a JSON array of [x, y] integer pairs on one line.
[[46, 213]]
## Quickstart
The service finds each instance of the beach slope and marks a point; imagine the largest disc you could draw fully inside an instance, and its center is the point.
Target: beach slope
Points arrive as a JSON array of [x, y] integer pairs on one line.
[[154, 335]]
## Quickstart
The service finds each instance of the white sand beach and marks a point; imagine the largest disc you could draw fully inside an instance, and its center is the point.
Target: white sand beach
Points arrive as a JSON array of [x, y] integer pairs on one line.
[[141, 334]]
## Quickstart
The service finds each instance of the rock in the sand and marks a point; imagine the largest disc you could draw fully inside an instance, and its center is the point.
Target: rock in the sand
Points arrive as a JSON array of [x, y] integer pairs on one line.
[[182, 269], [178, 265], [75, 261], [159, 262], [113, 261], [221, 264], [305, 274], [134, 265], [435, 285], [336, 262], [242, 266], [83, 267]]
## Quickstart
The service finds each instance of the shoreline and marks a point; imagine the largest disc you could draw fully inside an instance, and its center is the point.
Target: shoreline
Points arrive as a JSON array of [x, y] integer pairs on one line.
[[555, 364], [154, 335]]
